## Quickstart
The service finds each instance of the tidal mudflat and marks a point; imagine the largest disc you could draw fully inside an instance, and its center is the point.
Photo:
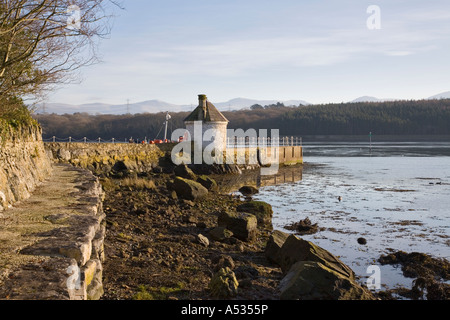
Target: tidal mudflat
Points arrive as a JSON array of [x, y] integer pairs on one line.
[[394, 198]]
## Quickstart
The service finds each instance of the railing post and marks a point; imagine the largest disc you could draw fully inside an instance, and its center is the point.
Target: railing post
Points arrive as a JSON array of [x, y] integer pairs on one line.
[[54, 138], [112, 140], [99, 139], [84, 139], [70, 139]]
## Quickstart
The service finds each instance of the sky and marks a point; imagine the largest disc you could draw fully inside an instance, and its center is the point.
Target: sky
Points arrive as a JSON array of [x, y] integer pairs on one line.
[[320, 51]]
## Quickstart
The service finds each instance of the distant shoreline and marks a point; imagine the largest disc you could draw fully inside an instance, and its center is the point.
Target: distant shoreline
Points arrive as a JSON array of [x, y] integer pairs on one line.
[[375, 138]]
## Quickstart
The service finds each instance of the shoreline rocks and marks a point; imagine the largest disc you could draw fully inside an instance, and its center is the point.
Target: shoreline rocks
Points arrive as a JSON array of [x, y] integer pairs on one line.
[[224, 284], [260, 209], [187, 189], [242, 225], [248, 190], [274, 244], [312, 272], [311, 280]]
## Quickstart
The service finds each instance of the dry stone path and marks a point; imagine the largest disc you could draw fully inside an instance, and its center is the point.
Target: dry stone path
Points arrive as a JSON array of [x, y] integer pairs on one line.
[[51, 244]]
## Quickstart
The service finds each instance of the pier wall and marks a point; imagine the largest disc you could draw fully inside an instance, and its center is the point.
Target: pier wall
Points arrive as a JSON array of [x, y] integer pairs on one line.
[[103, 157]]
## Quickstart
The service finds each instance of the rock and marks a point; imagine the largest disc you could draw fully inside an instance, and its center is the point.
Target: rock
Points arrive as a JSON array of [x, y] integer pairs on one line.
[[188, 203], [63, 154], [239, 247], [173, 195], [248, 190], [274, 244], [207, 182], [262, 210], [243, 225], [190, 219], [362, 241], [311, 280], [188, 189], [220, 233], [296, 249], [246, 272], [224, 284], [223, 261], [203, 240], [303, 227], [119, 166], [183, 171]]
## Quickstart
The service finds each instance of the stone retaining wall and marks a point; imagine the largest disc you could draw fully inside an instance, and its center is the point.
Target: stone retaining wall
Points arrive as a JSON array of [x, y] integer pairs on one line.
[[103, 157], [23, 164]]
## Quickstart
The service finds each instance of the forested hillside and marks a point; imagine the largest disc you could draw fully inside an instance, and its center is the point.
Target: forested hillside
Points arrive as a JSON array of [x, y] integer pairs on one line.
[[424, 117]]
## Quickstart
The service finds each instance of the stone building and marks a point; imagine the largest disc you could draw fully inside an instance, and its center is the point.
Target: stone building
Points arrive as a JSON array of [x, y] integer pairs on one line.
[[211, 121]]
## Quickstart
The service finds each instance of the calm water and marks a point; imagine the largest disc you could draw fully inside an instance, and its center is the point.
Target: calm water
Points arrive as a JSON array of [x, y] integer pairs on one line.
[[397, 197]]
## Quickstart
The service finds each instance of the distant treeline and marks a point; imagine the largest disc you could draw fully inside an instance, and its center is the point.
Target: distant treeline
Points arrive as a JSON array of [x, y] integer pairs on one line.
[[423, 117]]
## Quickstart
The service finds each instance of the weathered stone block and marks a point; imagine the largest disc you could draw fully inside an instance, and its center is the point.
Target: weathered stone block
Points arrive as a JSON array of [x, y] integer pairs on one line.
[[296, 249], [262, 210], [311, 280], [274, 244], [188, 189], [243, 225], [183, 171]]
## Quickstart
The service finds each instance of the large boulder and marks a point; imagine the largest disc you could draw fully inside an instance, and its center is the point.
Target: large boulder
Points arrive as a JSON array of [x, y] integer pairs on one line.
[[296, 249], [274, 244], [243, 225], [248, 190], [311, 280], [183, 171], [262, 210], [188, 189]]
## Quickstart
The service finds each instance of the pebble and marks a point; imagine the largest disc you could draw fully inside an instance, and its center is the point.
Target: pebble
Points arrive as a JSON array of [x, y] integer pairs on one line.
[[203, 240]]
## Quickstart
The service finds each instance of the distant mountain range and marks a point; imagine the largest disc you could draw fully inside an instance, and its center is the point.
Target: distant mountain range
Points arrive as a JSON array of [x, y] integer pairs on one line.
[[370, 99], [155, 106]]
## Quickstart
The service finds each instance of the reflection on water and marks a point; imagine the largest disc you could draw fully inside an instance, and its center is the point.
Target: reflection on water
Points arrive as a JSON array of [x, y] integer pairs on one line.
[[232, 183]]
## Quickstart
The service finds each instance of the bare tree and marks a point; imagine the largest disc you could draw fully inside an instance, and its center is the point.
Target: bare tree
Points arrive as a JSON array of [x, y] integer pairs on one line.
[[43, 42]]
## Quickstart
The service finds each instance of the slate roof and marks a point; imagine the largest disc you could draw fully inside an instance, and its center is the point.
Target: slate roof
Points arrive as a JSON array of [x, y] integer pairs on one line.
[[206, 112]]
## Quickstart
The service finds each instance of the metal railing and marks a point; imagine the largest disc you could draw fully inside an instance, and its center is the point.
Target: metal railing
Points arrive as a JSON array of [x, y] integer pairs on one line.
[[238, 142], [98, 140], [241, 142]]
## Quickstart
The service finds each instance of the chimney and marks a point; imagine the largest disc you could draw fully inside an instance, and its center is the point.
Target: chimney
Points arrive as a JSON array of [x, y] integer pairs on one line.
[[202, 100]]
